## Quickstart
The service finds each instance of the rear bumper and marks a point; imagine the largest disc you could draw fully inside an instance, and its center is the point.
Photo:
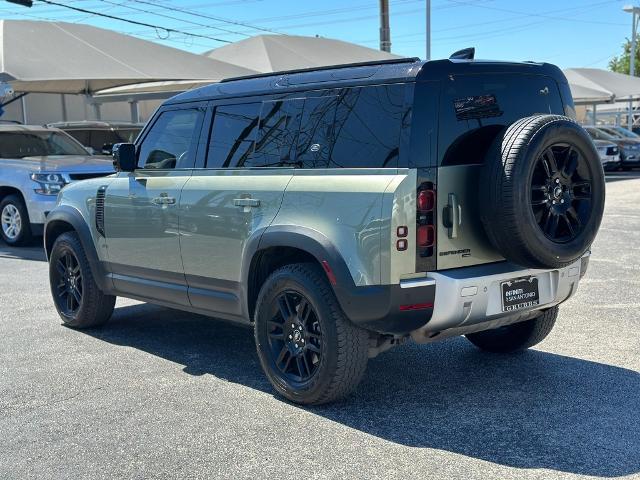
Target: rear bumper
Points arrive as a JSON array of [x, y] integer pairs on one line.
[[453, 299], [469, 297]]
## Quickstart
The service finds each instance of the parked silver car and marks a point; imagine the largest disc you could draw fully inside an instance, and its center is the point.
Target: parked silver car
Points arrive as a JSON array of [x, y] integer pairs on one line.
[[629, 147], [35, 164], [609, 154]]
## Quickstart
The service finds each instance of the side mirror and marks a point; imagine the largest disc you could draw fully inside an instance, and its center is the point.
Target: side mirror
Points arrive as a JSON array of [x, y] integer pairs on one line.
[[124, 157]]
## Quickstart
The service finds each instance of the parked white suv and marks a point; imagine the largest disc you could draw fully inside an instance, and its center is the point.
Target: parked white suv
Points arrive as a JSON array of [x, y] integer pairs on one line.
[[35, 163]]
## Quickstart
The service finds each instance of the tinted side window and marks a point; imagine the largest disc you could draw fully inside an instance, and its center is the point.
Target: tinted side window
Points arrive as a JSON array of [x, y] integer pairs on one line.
[[277, 133], [233, 134], [357, 128], [172, 139]]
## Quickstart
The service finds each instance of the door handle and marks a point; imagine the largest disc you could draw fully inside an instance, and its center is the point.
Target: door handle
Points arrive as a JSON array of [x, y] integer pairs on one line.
[[164, 199], [246, 203], [453, 216]]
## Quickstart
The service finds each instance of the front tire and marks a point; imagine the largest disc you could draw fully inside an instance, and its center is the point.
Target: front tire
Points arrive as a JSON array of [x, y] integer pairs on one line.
[[15, 228], [517, 336], [79, 301], [310, 352]]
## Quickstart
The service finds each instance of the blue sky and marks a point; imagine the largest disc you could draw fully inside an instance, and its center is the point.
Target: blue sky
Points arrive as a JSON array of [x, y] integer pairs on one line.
[[569, 33]]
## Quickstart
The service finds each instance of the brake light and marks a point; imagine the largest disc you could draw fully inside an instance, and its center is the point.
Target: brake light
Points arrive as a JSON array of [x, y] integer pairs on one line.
[[426, 200], [426, 235], [425, 220]]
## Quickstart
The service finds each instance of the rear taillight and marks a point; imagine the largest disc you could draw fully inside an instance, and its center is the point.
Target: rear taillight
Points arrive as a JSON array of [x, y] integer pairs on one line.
[[426, 200], [425, 220]]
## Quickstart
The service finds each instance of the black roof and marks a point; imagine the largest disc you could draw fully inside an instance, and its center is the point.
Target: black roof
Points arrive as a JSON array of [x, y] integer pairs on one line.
[[385, 71]]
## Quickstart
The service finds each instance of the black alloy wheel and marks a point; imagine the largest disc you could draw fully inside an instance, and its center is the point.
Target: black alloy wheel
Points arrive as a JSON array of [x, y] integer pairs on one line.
[[308, 349], [561, 193], [295, 337], [68, 283]]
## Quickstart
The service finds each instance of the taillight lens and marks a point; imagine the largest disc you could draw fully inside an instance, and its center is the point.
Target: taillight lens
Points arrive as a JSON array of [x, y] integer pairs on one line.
[[425, 220], [426, 200], [426, 235]]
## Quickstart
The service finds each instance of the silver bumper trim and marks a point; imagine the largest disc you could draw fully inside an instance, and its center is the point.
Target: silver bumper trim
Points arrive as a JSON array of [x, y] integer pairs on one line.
[[472, 295]]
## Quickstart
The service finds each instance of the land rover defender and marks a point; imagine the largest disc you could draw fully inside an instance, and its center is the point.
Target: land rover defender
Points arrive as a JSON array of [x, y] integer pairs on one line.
[[343, 210]]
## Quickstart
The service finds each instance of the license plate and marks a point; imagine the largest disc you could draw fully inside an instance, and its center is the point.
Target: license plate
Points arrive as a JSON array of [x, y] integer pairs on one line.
[[520, 293]]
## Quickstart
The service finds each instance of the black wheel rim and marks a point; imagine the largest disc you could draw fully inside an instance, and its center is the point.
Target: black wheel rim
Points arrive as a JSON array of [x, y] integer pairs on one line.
[[295, 337], [561, 192], [68, 283]]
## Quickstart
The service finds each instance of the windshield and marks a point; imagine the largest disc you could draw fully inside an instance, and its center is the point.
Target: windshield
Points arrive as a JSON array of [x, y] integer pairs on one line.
[[600, 134], [38, 143], [624, 132], [611, 131]]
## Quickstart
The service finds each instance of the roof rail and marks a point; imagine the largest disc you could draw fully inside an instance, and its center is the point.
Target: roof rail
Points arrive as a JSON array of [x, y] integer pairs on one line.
[[328, 67]]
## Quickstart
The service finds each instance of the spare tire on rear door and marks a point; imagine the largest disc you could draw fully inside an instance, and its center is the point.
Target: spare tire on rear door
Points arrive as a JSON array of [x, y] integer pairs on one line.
[[542, 192]]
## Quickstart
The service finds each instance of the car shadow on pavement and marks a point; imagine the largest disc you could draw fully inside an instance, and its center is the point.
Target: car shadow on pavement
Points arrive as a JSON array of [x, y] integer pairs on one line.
[[618, 176], [531, 410], [35, 251]]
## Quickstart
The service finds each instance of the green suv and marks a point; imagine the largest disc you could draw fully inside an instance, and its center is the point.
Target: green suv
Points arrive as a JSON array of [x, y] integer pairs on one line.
[[342, 211]]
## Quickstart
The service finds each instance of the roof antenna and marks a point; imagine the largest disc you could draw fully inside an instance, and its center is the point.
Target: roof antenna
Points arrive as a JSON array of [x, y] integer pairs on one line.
[[464, 54]]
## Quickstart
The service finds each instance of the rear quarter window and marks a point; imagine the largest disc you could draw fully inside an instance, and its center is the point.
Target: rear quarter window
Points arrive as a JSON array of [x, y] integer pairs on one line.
[[475, 108]]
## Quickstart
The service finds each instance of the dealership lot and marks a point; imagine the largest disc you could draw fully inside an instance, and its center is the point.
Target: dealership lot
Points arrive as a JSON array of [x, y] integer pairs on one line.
[[159, 393]]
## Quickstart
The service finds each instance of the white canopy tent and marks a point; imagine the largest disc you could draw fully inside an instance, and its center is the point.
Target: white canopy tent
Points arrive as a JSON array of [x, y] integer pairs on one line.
[[592, 84], [70, 58], [269, 53], [274, 53]]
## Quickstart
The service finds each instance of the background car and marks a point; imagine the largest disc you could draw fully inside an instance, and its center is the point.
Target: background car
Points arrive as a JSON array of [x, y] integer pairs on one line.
[[609, 154], [35, 164], [100, 136], [629, 147], [618, 131]]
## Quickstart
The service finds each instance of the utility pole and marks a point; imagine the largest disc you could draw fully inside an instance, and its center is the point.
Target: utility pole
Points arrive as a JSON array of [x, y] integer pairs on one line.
[[385, 31], [428, 30], [634, 11]]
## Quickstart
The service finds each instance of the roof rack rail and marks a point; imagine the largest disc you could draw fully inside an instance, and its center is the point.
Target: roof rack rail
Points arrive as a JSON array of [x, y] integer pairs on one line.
[[328, 67]]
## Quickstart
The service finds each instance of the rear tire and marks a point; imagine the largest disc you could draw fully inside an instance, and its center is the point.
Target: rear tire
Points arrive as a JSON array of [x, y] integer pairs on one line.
[[310, 352], [15, 228], [79, 301], [516, 337]]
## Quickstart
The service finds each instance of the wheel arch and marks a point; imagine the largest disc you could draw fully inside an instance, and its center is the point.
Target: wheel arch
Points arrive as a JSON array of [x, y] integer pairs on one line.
[[67, 219], [5, 191], [276, 247]]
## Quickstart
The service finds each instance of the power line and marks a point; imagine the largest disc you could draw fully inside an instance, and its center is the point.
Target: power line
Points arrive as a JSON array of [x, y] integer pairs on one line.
[[134, 22], [539, 15], [202, 15], [171, 17]]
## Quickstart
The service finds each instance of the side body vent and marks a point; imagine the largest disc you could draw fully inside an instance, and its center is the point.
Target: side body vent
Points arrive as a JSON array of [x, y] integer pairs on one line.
[[100, 209]]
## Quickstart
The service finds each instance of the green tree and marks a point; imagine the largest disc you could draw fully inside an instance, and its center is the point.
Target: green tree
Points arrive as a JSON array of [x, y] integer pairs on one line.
[[621, 64]]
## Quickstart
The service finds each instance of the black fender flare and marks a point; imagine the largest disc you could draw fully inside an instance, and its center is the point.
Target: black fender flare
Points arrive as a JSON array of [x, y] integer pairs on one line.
[[360, 304], [73, 217]]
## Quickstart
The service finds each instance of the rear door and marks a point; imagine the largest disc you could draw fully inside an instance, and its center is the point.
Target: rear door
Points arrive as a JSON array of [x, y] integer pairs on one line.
[[473, 110], [141, 209], [239, 193]]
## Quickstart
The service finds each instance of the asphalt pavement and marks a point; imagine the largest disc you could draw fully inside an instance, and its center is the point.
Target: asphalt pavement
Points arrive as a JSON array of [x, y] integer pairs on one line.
[[159, 393]]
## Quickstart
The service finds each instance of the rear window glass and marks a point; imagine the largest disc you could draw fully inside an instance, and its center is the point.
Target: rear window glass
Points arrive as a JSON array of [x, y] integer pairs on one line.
[[474, 108]]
